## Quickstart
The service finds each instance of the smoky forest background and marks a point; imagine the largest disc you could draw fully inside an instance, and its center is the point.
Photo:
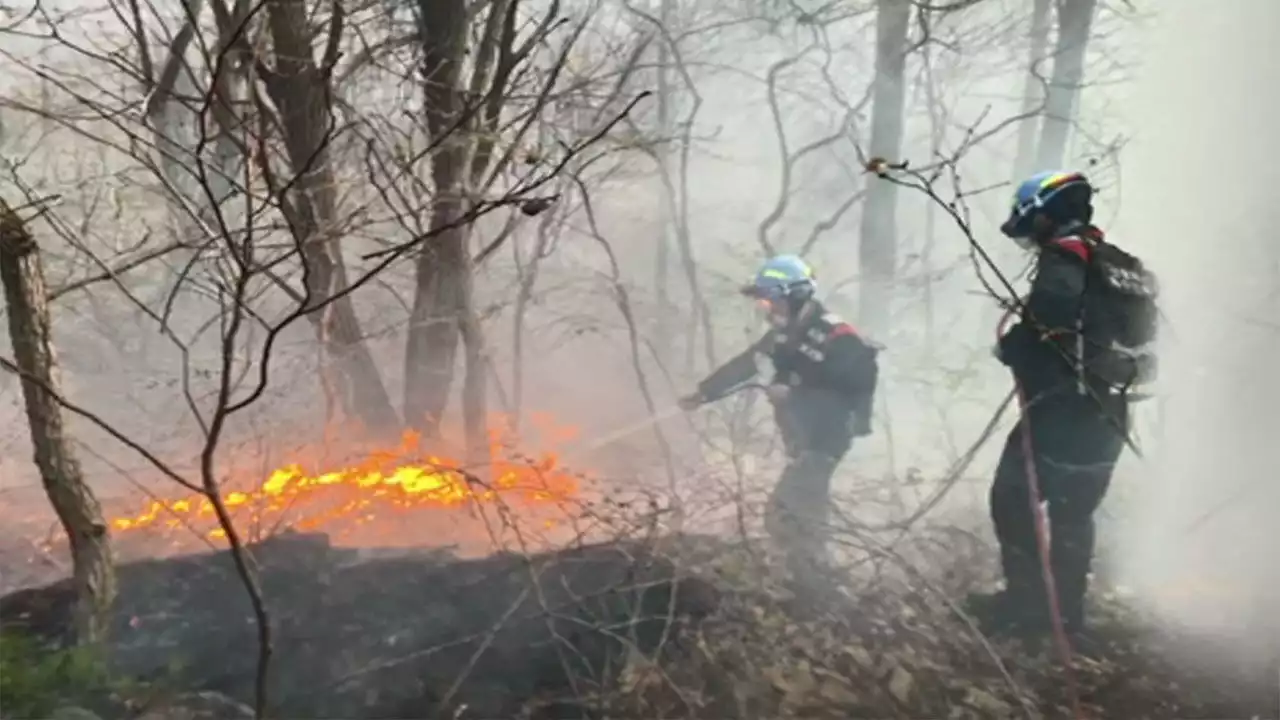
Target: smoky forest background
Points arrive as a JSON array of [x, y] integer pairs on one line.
[[344, 337]]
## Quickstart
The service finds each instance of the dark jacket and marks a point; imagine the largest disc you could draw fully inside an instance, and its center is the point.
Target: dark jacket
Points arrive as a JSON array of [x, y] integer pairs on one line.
[[1043, 350], [832, 372]]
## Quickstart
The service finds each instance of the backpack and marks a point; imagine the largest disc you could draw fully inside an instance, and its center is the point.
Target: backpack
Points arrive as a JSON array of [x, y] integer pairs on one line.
[[1119, 320]]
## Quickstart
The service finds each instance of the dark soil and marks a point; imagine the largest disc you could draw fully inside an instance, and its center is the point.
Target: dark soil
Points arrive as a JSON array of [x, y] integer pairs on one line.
[[383, 637]]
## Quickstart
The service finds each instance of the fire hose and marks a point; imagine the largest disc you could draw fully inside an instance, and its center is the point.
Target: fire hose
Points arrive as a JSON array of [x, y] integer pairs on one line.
[[607, 439], [1042, 538]]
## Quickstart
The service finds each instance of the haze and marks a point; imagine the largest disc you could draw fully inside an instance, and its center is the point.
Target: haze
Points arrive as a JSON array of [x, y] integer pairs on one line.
[[1199, 200], [1175, 125]]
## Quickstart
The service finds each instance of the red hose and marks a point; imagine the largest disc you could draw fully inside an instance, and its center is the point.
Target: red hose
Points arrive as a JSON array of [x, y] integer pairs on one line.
[[1042, 540]]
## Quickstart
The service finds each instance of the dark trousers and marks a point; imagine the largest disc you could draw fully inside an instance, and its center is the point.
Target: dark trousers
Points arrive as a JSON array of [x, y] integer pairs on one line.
[[1075, 445], [817, 434]]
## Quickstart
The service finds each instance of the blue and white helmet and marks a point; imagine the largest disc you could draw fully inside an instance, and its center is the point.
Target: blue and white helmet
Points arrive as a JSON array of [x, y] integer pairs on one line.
[[1037, 192], [782, 277]]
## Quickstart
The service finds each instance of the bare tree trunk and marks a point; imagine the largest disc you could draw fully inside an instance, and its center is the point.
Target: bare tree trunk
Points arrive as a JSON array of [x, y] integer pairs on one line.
[[198, 187], [1075, 21], [442, 299], [495, 61], [475, 389], [300, 89], [937, 134], [672, 156], [1033, 94], [528, 279], [878, 247], [72, 499], [664, 335]]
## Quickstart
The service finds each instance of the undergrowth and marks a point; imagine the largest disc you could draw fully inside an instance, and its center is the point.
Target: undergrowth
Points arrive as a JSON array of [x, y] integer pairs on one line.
[[35, 679]]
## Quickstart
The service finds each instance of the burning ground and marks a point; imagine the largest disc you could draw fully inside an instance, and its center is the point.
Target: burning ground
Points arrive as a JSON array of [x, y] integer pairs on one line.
[[376, 498], [642, 624]]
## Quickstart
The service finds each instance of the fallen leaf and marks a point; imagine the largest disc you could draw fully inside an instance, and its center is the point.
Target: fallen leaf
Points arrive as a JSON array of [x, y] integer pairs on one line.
[[835, 689], [860, 656], [986, 703], [900, 685]]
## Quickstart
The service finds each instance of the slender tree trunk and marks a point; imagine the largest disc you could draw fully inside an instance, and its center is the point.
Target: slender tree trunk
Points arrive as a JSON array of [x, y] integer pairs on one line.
[[937, 134], [300, 89], [72, 498], [664, 332], [435, 320], [199, 186], [528, 280], [673, 171], [495, 61], [1033, 94], [475, 387], [442, 299], [878, 246], [1075, 22]]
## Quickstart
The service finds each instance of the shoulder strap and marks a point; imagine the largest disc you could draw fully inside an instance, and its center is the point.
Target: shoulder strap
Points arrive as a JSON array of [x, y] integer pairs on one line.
[[1076, 245]]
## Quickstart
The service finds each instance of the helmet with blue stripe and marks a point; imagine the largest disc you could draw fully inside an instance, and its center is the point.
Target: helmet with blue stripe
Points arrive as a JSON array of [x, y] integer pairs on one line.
[[782, 277], [1041, 192]]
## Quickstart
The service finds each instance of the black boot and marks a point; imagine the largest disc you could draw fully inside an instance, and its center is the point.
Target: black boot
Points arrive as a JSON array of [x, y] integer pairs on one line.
[[1087, 645], [989, 611], [1008, 613], [1022, 608], [1072, 556]]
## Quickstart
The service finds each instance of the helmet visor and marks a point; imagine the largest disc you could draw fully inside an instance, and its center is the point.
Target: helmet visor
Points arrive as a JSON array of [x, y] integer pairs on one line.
[[1018, 226]]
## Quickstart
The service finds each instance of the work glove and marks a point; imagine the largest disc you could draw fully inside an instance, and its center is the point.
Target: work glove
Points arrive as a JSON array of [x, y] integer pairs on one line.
[[692, 401]]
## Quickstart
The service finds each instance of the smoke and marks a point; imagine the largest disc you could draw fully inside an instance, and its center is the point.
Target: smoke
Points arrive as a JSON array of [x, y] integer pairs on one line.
[[1199, 184]]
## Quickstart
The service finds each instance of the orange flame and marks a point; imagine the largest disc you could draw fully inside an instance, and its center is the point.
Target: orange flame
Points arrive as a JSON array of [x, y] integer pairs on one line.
[[404, 479]]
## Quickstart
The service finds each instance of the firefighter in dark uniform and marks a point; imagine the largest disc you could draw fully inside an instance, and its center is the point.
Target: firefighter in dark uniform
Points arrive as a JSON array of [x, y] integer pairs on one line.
[[1071, 354], [822, 390]]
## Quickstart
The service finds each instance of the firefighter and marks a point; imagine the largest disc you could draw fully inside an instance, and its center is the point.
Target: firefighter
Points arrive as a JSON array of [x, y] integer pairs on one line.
[[822, 390], [1075, 356]]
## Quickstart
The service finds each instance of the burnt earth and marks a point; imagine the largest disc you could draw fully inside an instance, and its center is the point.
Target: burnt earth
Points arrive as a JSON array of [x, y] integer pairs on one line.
[[407, 635]]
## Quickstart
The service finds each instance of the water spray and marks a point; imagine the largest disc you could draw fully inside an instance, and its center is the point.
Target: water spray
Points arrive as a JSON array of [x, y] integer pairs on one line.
[[649, 421]]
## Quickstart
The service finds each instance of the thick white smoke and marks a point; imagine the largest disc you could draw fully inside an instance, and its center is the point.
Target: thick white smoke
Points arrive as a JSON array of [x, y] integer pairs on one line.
[[1199, 189]]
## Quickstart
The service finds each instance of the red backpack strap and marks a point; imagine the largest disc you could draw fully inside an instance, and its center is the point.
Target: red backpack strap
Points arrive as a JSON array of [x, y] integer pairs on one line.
[[1075, 245], [842, 329]]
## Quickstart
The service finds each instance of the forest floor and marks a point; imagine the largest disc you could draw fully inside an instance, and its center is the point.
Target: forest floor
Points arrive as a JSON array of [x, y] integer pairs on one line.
[[658, 626]]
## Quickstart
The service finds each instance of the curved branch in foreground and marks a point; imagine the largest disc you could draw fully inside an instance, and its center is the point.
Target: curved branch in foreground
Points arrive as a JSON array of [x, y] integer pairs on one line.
[[623, 302], [784, 180], [515, 197], [916, 180], [678, 191], [10, 366], [209, 481]]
